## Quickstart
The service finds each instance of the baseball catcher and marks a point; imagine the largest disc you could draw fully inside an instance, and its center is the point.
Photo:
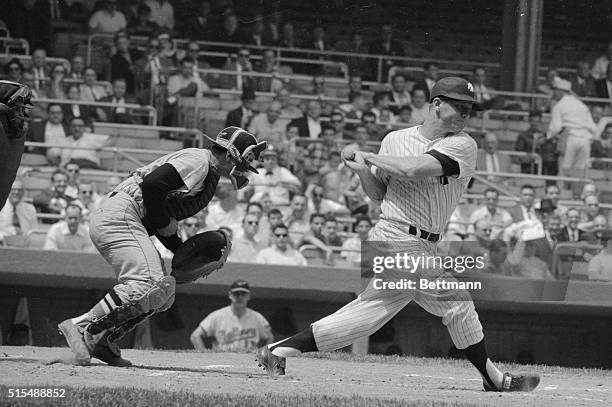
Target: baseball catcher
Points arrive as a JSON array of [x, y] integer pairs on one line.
[[14, 105], [151, 202]]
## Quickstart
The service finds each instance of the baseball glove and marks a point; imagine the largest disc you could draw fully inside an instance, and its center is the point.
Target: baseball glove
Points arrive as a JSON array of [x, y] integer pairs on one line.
[[200, 256]]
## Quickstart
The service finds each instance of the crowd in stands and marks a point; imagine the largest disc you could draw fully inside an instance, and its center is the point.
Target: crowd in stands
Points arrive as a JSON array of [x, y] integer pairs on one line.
[[303, 197]]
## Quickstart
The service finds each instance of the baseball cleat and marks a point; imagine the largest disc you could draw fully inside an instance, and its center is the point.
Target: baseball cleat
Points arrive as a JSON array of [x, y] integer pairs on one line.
[[107, 351], [75, 341], [521, 382], [274, 365]]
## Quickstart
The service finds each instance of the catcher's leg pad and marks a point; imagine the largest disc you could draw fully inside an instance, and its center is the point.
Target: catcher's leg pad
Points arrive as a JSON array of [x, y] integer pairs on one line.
[[200, 255], [154, 298]]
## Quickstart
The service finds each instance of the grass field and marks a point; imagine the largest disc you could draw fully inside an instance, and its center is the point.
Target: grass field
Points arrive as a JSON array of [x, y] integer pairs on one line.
[[185, 378]]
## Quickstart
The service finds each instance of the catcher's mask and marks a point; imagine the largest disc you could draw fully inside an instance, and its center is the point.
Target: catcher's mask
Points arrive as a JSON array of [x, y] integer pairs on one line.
[[242, 148], [14, 105]]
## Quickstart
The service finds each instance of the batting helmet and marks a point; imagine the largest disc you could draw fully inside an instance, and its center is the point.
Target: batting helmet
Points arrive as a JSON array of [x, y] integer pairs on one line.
[[242, 148]]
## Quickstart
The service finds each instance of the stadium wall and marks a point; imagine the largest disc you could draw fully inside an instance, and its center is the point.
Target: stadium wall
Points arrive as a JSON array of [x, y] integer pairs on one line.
[[552, 323]]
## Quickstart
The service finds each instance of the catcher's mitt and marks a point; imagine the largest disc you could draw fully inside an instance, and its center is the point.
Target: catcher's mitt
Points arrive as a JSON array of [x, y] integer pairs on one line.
[[200, 255]]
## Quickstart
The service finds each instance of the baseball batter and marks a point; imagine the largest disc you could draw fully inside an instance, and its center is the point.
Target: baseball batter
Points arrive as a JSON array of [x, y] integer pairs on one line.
[[418, 177], [151, 202]]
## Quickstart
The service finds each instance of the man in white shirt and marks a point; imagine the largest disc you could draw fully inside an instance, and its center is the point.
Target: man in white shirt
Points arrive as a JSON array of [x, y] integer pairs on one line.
[[363, 224], [108, 19], [482, 92], [280, 252], [162, 13], [572, 123], [186, 83], [89, 90], [70, 234], [269, 126], [273, 179], [498, 218], [600, 266], [420, 107], [246, 245], [600, 66], [54, 133], [17, 217], [225, 212], [524, 210], [39, 67], [317, 203], [83, 146], [234, 328], [399, 94], [491, 161]]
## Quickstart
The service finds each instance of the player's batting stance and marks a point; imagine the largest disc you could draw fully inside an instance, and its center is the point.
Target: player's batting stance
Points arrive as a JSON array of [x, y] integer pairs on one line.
[[14, 105], [151, 202], [418, 177]]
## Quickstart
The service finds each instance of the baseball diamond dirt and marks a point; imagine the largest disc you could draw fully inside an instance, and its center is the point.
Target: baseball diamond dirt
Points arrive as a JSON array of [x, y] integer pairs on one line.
[[385, 379]]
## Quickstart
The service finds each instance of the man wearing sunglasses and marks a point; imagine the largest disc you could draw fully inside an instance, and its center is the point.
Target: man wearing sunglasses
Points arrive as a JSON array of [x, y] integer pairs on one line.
[[281, 252], [152, 202], [418, 176]]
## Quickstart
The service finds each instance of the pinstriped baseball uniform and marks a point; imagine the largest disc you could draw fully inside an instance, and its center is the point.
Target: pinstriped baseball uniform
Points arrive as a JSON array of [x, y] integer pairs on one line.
[[425, 203]]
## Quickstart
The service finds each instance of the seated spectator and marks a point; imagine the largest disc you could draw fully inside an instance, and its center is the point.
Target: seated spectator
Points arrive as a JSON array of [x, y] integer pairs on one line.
[[330, 232], [168, 56], [270, 65], [273, 179], [80, 144], [600, 266], [317, 203], [51, 131], [87, 199], [77, 68], [240, 63], [385, 44], [600, 66], [459, 221], [431, 74], [420, 106], [183, 84], [90, 90], [17, 217], [190, 227], [361, 138], [552, 230], [553, 193], [225, 212], [356, 46], [246, 245], [336, 120], [13, 70], [56, 87], [309, 125], [38, 112], [199, 62], [328, 140], [87, 113], [280, 252], [524, 209], [287, 37], [117, 113], [234, 328], [336, 178], [491, 161], [583, 83], [362, 227], [528, 141], [589, 212], [375, 131], [600, 224], [603, 86], [524, 262], [107, 19], [381, 101], [162, 13], [269, 126], [273, 217], [296, 217], [498, 218], [498, 254], [477, 243], [547, 87], [589, 188], [70, 233], [314, 236], [316, 41], [571, 232], [399, 94], [230, 31], [601, 121], [263, 226], [243, 114], [39, 67], [404, 117], [54, 200], [356, 199], [72, 186], [143, 26], [289, 110], [484, 94], [122, 62], [355, 85], [602, 149]]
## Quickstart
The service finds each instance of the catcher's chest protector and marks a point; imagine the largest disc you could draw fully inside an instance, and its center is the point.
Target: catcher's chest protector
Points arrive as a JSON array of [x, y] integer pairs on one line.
[[181, 206]]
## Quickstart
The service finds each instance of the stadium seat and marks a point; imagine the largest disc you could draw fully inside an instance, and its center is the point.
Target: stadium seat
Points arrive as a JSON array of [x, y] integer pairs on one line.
[[35, 239]]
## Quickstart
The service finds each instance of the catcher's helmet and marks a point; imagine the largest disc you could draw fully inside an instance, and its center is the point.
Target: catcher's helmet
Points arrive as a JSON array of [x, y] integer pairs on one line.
[[14, 99], [242, 148]]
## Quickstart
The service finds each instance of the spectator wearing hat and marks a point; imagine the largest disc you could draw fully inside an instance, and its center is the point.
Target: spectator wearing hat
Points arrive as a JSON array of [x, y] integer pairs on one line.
[[108, 19], [281, 252], [273, 179], [235, 328], [572, 124], [242, 115], [600, 266]]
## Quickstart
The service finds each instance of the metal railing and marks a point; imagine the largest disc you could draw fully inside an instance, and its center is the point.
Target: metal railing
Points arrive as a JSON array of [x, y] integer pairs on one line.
[[28, 59], [10, 42], [151, 111], [194, 133]]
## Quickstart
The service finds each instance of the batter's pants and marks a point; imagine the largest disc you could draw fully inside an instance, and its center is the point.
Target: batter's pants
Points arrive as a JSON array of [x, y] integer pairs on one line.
[[375, 307]]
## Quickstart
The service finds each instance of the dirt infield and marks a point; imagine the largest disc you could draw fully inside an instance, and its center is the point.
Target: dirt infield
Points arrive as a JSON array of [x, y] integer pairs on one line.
[[431, 380]]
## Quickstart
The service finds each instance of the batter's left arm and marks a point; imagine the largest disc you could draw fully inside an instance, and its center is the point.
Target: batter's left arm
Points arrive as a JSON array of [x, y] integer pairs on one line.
[[430, 164]]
